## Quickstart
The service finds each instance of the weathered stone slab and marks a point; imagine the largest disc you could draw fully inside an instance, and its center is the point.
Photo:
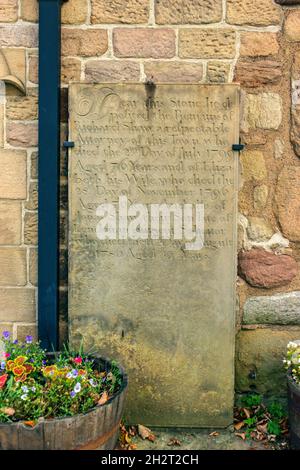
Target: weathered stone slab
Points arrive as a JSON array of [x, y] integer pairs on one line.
[[259, 366], [279, 309], [166, 312]]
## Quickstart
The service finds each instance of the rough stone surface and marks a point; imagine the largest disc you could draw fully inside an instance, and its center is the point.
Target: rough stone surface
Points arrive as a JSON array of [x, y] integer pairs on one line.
[[112, 71], [21, 108], [253, 165], [8, 11], [33, 166], [168, 72], [16, 60], [110, 11], [260, 353], [29, 10], [259, 229], [10, 222], [288, 202], [140, 42], [188, 11], [17, 304], [24, 35], [26, 330], [21, 134], [206, 43], [261, 268], [254, 44], [32, 203], [292, 26], [84, 42], [218, 72], [30, 228], [33, 266], [70, 70], [260, 196], [278, 309], [74, 12], [278, 149], [13, 266], [13, 179], [258, 73], [33, 69], [262, 111], [253, 12]]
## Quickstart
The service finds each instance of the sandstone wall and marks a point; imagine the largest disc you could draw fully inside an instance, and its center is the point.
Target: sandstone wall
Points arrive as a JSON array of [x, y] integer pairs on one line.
[[254, 42]]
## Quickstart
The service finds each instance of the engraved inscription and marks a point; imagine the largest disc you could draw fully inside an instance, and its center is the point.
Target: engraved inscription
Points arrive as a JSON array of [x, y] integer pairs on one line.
[[149, 301]]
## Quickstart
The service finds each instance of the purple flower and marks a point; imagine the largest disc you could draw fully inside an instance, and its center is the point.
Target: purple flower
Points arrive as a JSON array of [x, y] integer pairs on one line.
[[72, 394], [2, 365], [32, 360], [93, 383], [28, 339], [6, 334], [16, 341], [43, 362], [74, 373]]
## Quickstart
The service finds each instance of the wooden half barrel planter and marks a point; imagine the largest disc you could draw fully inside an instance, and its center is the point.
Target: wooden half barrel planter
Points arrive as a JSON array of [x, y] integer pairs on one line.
[[294, 412], [96, 429]]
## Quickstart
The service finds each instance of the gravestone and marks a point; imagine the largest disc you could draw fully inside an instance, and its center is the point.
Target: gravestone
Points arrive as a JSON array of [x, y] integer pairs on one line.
[[154, 286]]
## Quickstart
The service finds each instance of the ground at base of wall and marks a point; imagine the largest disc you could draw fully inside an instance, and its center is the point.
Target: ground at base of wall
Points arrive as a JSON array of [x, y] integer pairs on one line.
[[202, 439]]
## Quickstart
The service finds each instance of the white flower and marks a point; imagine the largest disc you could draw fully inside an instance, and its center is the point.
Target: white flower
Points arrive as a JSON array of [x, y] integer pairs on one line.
[[24, 389], [77, 388], [24, 397], [33, 389], [93, 383], [69, 375]]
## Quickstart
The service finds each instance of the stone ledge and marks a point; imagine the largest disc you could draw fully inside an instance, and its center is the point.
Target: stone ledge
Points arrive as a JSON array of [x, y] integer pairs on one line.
[[278, 309]]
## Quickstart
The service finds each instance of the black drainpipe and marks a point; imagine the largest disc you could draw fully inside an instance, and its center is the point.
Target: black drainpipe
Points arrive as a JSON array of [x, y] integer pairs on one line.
[[48, 171]]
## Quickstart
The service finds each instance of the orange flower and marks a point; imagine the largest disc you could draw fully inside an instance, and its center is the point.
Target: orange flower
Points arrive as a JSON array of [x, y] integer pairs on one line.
[[19, 370], [29, 368], [50, 371], [20, 360], [10, 364], [22, 378]]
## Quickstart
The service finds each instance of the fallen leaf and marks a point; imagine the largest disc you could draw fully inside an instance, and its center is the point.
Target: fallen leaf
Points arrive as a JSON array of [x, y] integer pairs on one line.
[[214, 434], [242, 435], [29, 423], [174, 442], [146, 433], [8, 411], [247, 413], [103, 399], [239, 425], [262, 428]]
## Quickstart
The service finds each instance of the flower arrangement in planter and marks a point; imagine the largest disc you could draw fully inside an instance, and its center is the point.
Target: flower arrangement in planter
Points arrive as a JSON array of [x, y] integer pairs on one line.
[[37, 388], [292, 364]]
